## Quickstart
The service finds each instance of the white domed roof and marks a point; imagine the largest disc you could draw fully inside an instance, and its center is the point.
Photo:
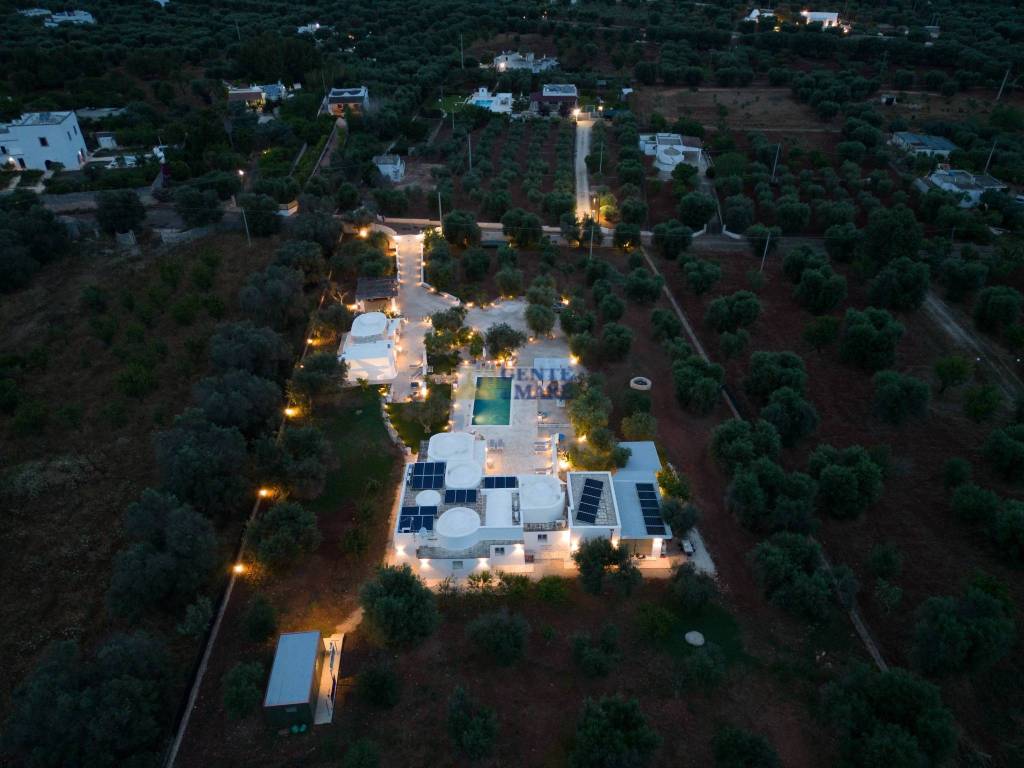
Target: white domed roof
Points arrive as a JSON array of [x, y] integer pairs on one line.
[[449, 446], [457, 522], [539, 491], [369, 324], [428, 498], [463, 474]]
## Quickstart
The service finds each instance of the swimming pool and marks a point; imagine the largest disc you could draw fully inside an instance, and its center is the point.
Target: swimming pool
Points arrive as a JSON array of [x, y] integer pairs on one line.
[[492, 404]]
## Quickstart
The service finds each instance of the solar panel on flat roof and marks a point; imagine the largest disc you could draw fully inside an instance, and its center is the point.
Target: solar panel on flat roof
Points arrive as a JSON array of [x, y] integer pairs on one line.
[[586, 517], [656, 530], [590, 496], [650, 509], [645, 487], [460, 496], [592, 483], [410, 510], [431, 511], [587, 507], [500, 481]]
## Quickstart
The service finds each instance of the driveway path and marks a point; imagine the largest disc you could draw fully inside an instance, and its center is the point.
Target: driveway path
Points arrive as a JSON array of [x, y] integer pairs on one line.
[[415, 302], [582, 178]]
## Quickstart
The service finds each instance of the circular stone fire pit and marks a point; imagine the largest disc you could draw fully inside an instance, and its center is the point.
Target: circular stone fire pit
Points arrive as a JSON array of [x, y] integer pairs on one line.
[[641, 383]]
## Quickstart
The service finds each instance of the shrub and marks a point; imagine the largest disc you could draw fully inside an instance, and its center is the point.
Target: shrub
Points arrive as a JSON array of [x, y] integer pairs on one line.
[[283, 533], [788, 568], [697, 383], [952, 370], [974, 504], [1008, 530], [238, 399], [792, 416], [613, 732], [243, 689], [196, 621], [737, 442], [500, 635], [540, 319], [820, 290], [702, 669], [172, 553], [553, 589], [260, 351], [598, 558], [800, 259], [665, 324], [733, 344], [377, 685], [119, 210], [260, 214], [869, 338], [611, 307], [671, 239], [639, 426], [902, 284], [981, 402], [616, 340], [728, 313], [767, 499], [303, 255], [889, 718], [596, 658], [260, 619], [955, 472], [899, 397], [770, 371], [642, 286], [956, 634], [702, 275], [736, 748], [997, 308], [472, 727], [849, 480], [1004, 450], [695, 209], [272, 297], [320, 372], [885, 561], [681, 517], [399, 606], [692, 590]]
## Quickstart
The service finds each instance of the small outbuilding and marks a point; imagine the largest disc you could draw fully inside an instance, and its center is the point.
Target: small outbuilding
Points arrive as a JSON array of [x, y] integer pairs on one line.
[[294, 680]]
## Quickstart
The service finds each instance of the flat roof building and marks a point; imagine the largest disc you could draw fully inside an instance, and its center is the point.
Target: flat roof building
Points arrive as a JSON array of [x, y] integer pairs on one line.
[[510, 60], [39, 140], [370, 349], [923, 144], [294, 679], [356, 100], [969, 187]]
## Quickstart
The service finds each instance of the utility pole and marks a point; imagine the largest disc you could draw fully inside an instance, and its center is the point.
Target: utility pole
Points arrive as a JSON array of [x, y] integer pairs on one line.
[[469, 141], [764, 256], [237, 32], [1003, 84], [439, 217], [990, 153], [462, 55], [775, 162], [245, 221], [600, 156]]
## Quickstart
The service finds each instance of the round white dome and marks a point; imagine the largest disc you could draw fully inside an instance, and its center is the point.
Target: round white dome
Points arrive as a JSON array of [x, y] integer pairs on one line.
[[447, 446], [539, 491], [463, 474], [428, 498], [369, 324], [457, 525]]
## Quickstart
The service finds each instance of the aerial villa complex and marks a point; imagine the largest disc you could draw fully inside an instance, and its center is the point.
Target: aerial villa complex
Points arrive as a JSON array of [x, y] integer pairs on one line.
[[456, 517]]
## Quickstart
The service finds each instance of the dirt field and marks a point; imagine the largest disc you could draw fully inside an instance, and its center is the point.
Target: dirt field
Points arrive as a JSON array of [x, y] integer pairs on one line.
[[62, 515], [754, 108], [941, 552]]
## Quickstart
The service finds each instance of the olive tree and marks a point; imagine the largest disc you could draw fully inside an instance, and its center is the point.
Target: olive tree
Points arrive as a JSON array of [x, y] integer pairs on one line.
[[283, 533], [399, 606], [899, 397], [869, 338]]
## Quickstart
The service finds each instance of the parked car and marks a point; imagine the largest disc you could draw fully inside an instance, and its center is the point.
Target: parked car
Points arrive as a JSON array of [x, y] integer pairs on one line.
[[688, 547]]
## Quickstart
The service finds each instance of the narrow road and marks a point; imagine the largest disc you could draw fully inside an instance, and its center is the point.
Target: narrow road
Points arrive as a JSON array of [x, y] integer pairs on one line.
[[583, 130], [984, 352]]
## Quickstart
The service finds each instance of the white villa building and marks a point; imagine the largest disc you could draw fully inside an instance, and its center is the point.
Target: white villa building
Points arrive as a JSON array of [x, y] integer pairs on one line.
[[827, 19], [455, 518], [391, 167], [370, 349], [670, 149], [759, 14], [38, 140], [499, 103], [511, 60], [968, 186], [76, 18]]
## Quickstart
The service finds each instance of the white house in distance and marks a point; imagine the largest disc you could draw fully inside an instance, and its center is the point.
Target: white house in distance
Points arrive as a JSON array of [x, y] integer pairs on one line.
[[455, 519], [76, 18], [923, 145], [37, 140], [512, 60], [670, 149], [760, 14], [499, 103], [827, 19], [969, 186], [356, 100], [312, 28], [391, 167], [370, 349]]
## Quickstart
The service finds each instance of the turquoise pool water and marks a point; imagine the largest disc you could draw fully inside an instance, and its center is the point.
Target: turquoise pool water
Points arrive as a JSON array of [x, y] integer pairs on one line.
[[492, 404]]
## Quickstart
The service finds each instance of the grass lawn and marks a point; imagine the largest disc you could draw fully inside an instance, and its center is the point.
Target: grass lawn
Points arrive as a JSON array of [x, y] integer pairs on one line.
[[451, 104], [358, 438], [405, 417]]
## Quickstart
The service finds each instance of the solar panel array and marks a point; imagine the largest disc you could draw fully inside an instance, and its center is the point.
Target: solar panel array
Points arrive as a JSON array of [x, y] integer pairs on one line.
[[427, 474], [415, 519], [590, 499], [501, 482], [460, 497], [651, 509]]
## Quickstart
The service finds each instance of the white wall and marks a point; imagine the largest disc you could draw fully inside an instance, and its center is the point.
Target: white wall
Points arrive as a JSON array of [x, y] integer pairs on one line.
[[65, 144]]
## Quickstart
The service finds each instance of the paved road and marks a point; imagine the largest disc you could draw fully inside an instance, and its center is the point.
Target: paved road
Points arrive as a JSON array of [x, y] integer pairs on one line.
[[583, 131]]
